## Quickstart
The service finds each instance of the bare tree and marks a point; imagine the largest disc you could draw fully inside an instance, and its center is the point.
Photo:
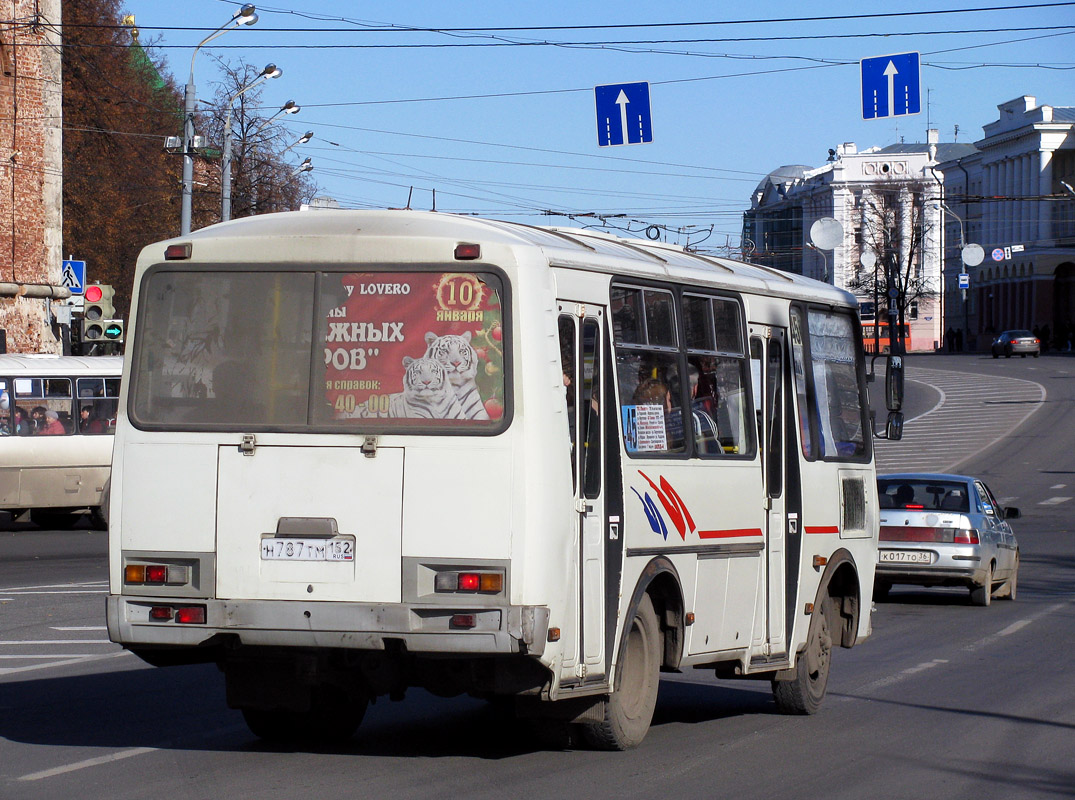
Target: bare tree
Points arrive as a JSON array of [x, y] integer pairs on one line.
[[897, 230], [263, 177]]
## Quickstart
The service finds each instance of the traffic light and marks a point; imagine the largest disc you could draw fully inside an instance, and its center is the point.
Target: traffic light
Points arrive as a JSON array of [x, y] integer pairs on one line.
[[98, 317], [98, 308]]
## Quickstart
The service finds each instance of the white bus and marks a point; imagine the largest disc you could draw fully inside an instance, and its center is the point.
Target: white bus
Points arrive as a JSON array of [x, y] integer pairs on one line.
[[56, 417], [364, 451]]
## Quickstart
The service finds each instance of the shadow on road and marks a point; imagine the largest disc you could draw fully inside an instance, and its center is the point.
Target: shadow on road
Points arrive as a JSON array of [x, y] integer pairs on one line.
[[183, 708]]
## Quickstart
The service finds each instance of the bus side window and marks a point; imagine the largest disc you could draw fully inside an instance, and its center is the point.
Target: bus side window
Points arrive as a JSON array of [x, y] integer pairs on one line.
[[591, 408], [647, 366], [568, 348]]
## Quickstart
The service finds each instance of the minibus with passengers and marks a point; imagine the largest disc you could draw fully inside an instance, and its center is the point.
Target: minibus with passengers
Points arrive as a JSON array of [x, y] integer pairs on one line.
[[362, 451]]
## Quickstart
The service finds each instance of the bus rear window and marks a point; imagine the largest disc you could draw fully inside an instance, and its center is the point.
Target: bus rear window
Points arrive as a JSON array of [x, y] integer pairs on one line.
[[361, 352]]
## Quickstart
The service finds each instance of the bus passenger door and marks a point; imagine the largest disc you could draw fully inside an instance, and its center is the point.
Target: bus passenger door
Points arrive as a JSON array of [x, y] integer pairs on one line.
[[581, 347], [767, 359]]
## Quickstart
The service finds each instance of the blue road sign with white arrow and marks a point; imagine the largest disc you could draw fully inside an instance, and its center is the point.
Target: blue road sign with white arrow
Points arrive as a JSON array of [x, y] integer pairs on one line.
[[73, 276], [890, 86], [623, 114]]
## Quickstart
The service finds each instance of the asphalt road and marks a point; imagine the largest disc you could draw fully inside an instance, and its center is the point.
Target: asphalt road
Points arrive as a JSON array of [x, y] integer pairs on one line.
[[944, 700]]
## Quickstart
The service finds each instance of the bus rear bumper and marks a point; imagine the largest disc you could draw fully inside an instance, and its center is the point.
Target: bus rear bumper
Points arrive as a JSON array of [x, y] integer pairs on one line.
[[358, 626]]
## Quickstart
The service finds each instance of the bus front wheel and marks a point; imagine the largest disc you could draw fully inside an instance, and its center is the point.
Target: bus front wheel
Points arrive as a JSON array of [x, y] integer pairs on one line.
[[629, 709], [803, 693]]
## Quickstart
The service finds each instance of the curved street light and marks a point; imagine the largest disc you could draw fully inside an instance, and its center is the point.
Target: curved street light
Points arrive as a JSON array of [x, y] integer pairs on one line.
[[290, 107], [270, 71], [243, 17]]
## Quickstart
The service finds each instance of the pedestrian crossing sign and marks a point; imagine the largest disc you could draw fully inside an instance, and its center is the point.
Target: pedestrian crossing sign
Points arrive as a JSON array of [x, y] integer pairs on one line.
[[73, 276]]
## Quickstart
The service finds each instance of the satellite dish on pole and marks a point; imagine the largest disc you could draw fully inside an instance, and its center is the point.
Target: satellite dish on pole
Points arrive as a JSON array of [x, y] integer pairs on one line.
[[973, 255], [869, 259], [826, 233]]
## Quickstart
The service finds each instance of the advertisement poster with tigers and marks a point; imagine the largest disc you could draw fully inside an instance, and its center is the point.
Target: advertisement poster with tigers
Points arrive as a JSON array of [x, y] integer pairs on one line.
[[415, 346]]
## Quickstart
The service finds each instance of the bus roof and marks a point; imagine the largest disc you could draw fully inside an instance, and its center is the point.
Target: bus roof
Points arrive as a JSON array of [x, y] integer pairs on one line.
[[362, 236], [49, 365]]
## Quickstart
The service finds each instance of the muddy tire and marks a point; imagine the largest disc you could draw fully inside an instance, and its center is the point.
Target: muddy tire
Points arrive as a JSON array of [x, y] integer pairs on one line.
[[804, 693], [629, 709]]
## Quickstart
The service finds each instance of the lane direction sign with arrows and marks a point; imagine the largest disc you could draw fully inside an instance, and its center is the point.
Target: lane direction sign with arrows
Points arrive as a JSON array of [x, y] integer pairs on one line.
[[890, 86], [623, 114]]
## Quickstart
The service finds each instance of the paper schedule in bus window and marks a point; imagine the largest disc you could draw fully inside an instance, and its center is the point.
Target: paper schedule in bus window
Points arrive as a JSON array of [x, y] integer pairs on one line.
[[414, 347]]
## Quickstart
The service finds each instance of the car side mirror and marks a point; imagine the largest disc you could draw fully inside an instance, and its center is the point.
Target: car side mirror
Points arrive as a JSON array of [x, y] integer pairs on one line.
[[894, 426], [894, 383], [1011, 512]]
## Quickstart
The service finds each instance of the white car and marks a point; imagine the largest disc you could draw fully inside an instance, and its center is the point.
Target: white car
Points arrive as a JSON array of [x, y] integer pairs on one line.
[[945, 530]]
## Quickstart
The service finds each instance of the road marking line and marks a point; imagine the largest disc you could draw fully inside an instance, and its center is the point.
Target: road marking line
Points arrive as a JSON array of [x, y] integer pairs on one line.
[[899, 676], [36, 667], [81, 628], [1054, 501], [1015, 626], [89, 762], [122, 754], [54, 641], [52, 655], [1059, 486], [55, 586], [21, 593]]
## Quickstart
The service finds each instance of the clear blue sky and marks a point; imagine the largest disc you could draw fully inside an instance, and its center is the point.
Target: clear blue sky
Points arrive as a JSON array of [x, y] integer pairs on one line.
[[508, 130]]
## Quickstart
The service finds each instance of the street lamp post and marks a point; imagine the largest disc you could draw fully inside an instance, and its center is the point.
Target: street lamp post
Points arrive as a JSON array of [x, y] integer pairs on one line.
[[972, 255], [270, 71], [301, 140], [290, 107], [244, 16]]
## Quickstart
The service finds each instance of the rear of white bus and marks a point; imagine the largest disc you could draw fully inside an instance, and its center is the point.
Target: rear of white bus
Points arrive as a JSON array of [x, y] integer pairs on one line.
[[313, 477]]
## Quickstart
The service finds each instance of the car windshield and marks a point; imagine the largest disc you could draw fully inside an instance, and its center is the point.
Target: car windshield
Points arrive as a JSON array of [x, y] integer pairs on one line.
[[1020, 334], [911, 493]]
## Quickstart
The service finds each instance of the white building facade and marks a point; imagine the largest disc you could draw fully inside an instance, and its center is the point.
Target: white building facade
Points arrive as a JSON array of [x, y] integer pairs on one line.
[[1014, 196], [886, 201]]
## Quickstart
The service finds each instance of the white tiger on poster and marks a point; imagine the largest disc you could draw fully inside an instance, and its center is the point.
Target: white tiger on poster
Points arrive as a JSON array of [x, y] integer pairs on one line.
[[427, 394], [460, 360]]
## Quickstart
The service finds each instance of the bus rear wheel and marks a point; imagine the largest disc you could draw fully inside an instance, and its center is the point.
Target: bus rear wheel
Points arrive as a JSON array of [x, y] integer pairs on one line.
[[330, 719], [803, 693], [629, 709]]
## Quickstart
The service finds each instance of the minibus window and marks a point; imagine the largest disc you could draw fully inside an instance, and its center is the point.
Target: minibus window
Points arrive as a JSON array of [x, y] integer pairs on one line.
[[840, 414], [350, 351], [717, 372], [218, 347], [647, 363]]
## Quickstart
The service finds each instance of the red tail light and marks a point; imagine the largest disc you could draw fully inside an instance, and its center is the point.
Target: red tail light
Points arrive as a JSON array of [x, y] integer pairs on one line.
[[190, 615], [914, 533]]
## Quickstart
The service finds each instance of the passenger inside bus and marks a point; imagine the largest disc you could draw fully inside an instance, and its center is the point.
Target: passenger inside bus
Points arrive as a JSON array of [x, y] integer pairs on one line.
[[88, 421], [51, 425]]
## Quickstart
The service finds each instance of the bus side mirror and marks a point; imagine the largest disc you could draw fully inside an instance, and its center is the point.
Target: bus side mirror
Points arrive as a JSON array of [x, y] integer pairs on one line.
[[894, 383], [894, 426]]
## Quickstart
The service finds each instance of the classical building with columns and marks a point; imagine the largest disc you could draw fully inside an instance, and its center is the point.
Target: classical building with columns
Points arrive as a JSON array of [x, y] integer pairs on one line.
[[886, 201], [1013, 195]]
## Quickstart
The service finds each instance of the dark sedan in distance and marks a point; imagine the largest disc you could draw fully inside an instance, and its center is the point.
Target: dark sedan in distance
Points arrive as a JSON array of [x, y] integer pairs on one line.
[[1020, 343]]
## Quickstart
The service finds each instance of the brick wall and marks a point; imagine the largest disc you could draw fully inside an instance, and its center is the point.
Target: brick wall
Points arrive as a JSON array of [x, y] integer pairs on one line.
[[30, 168]]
